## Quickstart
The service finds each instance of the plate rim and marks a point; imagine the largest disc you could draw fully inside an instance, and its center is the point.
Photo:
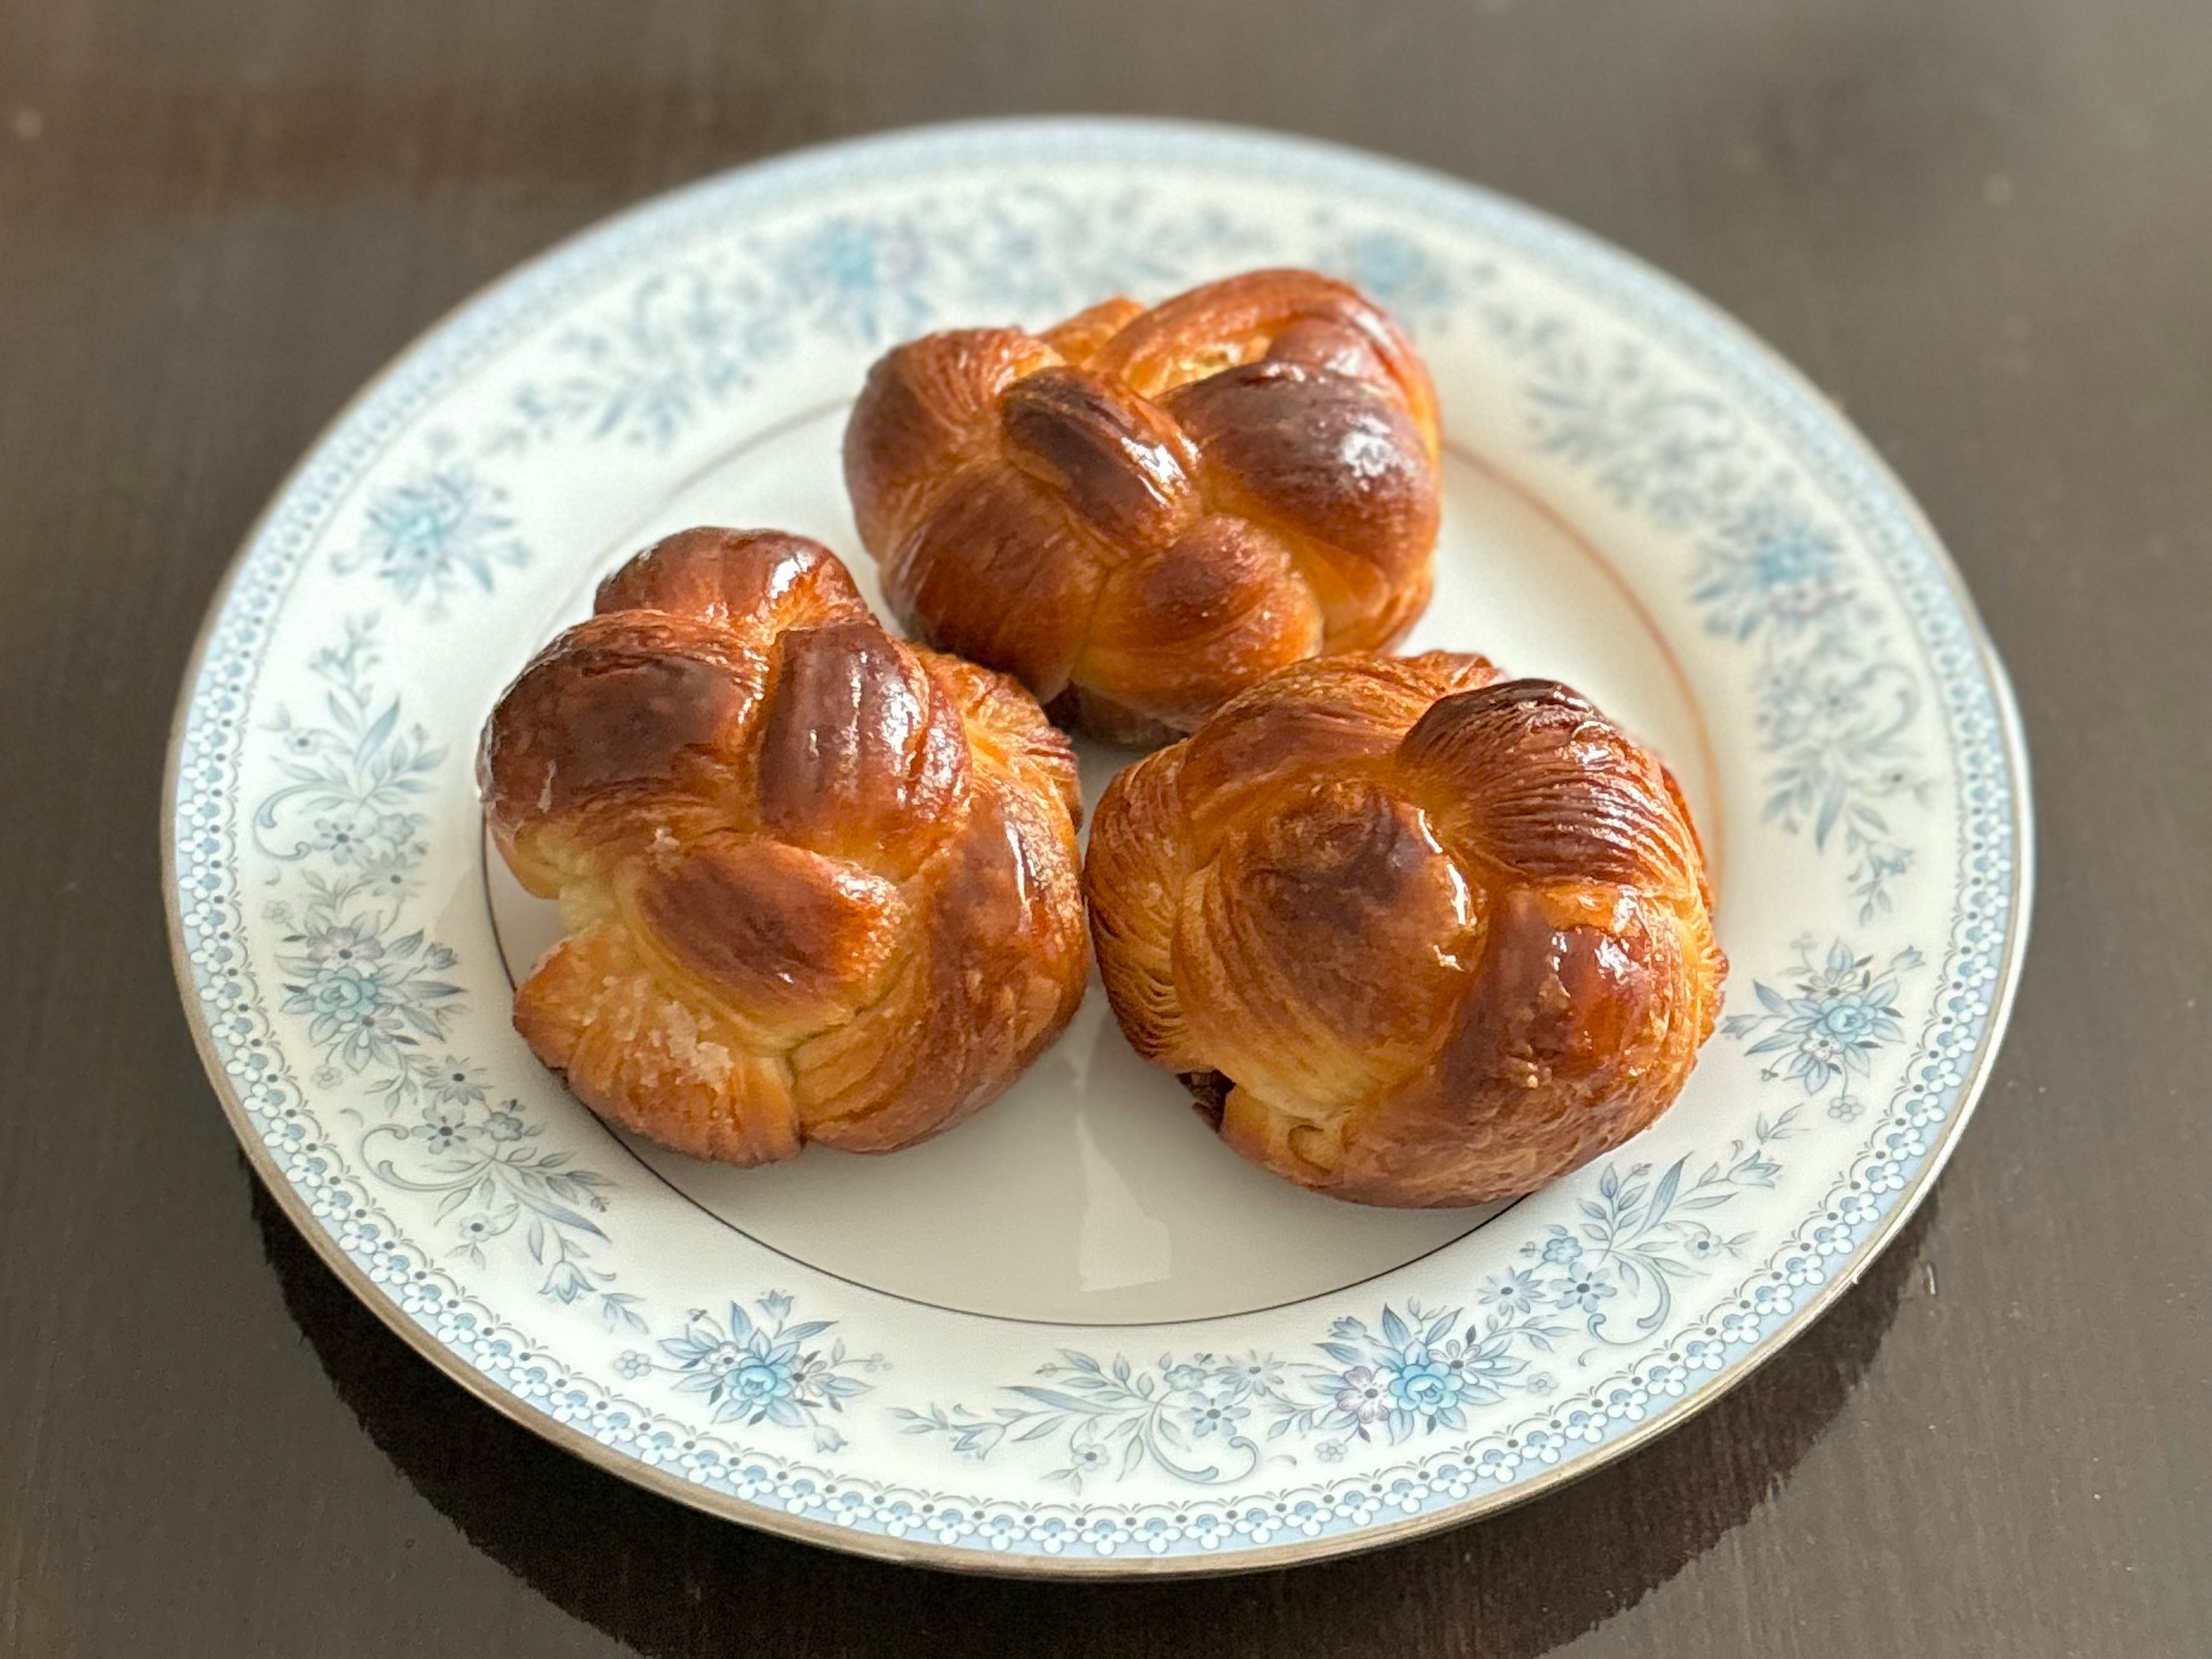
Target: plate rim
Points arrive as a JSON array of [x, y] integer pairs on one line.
[[910, 1551]]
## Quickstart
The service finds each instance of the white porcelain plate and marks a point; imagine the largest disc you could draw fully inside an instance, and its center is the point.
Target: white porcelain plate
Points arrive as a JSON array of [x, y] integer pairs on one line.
[[1076, 1336]]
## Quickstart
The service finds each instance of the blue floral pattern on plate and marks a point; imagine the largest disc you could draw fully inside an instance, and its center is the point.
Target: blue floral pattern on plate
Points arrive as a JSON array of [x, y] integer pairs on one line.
[[690, 335], [1836, 704], [344, 831], [436, 532], [1839, 1013], [757, 1370]]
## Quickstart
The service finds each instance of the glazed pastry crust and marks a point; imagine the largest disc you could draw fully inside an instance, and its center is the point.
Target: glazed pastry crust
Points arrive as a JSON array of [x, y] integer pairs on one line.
[[1413, 934], [817, 884], [1139, 513]]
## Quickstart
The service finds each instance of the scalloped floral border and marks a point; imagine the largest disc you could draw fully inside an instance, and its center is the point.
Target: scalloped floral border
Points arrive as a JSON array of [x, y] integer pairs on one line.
[[1860, 1208]]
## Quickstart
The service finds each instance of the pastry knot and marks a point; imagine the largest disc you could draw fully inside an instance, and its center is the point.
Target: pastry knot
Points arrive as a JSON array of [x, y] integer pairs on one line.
[[1414, 934], [816, 883], [1140, 512]]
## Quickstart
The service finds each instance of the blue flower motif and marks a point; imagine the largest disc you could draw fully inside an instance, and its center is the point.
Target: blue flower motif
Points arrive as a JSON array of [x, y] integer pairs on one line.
[[1217, 1414], [1363, 1396], [337, 839], [343, 944], [1255, 1373], [746, 1379], [371, 998], [860, 275], [343, 1001], [1184, 1376], [1396, 270], [1330, 1451], [477, 1228], [389, 876], [446, 1129], [1830, 1030], [1774, 566], [761, 1380], [439, 528], [504, 1126], [1422, 1382], [1586, 1288], [1386, 264], [761, 1372], [1510, 1292], [1562, 1249], [630, 1364], [1850, 1018], [457, 1083], [1086, 1457]]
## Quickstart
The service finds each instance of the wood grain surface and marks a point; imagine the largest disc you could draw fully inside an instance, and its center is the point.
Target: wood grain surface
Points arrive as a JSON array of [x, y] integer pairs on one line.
[[1983, 226]]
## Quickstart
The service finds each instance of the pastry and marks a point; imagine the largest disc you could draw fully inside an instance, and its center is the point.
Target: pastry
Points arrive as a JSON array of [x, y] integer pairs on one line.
[[1412, 934], [817, 884], [1139, 513]]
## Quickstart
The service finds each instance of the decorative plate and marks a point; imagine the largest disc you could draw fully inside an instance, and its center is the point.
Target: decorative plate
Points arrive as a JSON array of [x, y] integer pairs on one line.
[[1076, 1336]]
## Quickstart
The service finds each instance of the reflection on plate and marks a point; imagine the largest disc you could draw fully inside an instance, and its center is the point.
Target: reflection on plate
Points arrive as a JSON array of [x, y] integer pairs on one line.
[[1075, 1335]]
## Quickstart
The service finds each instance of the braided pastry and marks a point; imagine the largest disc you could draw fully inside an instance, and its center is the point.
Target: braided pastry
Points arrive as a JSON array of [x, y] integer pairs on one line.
[[1139, 513], [818, 884], [1412, 935]]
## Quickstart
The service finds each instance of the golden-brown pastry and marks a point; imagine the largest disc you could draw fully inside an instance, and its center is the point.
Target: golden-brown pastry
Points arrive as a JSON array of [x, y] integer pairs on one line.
[[1139, 513], [1414, 935], [817, 884]]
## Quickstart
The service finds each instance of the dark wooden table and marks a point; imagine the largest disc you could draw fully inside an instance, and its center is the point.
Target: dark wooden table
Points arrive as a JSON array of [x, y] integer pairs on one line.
[[1985, 225]]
